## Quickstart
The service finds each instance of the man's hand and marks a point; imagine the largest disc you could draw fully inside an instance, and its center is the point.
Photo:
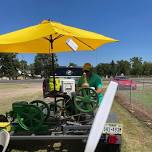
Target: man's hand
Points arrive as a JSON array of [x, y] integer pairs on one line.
[[99, 90]]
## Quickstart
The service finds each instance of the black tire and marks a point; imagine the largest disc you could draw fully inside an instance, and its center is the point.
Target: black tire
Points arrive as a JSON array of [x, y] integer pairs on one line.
[[114, 148], [108, 148]]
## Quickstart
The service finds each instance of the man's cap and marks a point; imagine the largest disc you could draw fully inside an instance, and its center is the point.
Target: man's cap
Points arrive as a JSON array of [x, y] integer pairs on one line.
[[87, 67]]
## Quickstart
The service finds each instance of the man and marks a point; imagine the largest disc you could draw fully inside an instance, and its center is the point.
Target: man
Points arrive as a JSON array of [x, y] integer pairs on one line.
[[93, 80]]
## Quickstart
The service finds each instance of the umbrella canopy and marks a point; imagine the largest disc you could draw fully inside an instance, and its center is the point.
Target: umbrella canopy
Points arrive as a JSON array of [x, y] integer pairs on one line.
[[50, 37]]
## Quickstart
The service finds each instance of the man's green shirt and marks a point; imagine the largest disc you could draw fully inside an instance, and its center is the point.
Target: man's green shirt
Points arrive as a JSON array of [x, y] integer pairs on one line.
[[94, 80]]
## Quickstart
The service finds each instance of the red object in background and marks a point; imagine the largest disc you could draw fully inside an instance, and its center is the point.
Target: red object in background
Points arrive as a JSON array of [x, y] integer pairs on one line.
[[124, 82], [112, 139]]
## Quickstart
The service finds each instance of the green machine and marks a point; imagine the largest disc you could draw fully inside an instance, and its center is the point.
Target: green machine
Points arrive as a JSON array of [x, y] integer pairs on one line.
[[36, 116], [86, 100], [29, 117], [60, 126]]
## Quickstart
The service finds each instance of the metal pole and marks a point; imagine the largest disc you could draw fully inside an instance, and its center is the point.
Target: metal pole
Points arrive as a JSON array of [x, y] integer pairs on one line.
[[130, 91], [53, 72]]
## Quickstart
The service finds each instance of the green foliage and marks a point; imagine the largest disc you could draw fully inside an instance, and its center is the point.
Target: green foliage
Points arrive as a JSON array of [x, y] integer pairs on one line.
[[23, 68], [31, 70], [136, 66], [123, 66], [71, 64], [147, 68], [103, 69], [9, 65], [112, 68], [43, 64]]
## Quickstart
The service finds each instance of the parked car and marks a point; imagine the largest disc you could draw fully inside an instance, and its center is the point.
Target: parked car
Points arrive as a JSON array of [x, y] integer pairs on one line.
[[124, 82]]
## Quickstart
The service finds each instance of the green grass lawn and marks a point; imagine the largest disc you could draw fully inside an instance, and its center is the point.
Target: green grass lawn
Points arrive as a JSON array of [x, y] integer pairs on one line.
[[144, 96], [141, 97], [136, 136]]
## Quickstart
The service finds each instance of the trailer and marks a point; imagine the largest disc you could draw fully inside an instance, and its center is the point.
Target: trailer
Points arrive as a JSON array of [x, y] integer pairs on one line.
[[70, 137], [63, 125]]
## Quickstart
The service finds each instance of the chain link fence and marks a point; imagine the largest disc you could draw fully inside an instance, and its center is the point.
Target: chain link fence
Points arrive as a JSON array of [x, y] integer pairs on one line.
[[139, 97]]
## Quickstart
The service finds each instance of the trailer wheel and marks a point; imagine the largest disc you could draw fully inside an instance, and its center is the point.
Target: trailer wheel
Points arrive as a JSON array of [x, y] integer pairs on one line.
[[114, 148], [108, 148]]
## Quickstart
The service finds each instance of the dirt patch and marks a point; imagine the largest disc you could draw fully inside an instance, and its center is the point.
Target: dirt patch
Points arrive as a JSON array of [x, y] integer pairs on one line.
[[19, 90], [136, 110], [10, 93]]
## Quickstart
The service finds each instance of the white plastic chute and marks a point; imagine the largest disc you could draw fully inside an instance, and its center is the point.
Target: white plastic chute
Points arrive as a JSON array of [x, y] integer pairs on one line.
[[4, 139], [101, 117]]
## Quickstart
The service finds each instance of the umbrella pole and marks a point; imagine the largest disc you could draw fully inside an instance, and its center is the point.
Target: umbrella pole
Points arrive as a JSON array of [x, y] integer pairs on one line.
[[53, 71], [54, 87]]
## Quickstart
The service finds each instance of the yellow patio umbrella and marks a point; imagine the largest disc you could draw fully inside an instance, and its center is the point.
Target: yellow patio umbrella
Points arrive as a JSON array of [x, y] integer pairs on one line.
[[50, 37]]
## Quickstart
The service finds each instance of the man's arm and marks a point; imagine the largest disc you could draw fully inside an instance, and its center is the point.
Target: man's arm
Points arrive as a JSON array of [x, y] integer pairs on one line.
[[99, 86], [99, 89]]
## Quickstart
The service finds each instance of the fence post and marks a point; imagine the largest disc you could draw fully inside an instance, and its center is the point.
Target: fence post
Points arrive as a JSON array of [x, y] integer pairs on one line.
[[130, 91]]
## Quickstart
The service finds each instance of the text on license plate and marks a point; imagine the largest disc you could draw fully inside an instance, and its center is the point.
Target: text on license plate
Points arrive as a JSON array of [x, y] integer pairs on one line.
[[112, 128]]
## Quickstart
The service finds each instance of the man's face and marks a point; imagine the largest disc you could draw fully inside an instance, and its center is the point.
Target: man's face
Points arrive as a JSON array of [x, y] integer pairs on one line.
[[88, 73]]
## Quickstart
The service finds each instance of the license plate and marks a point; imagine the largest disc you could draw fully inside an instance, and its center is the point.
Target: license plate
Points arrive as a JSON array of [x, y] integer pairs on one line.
[[112, 128]]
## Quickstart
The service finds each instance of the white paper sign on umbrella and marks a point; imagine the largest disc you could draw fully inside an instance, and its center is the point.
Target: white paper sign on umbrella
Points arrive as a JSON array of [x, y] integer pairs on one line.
[[72, 44]]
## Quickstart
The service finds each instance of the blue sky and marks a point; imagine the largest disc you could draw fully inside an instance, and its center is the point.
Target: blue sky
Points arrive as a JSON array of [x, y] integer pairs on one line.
[[129, 21]]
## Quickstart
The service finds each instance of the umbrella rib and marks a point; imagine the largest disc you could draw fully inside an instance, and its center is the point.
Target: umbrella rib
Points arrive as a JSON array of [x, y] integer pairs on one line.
[[59, 36], [84, 43], [46, 38]]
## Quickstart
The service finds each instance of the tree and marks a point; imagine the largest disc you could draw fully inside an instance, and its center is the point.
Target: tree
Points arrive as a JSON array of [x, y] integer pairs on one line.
[[43, 64], [23, 68], [112, 68], [123, 66], [9, 65], [31, 70], [103, 69], [147, 68], [136, 65], [71, 64]]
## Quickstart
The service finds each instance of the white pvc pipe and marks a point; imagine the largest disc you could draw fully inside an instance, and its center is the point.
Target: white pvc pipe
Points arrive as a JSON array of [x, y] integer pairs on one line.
[[101, 117], [4, 139]]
